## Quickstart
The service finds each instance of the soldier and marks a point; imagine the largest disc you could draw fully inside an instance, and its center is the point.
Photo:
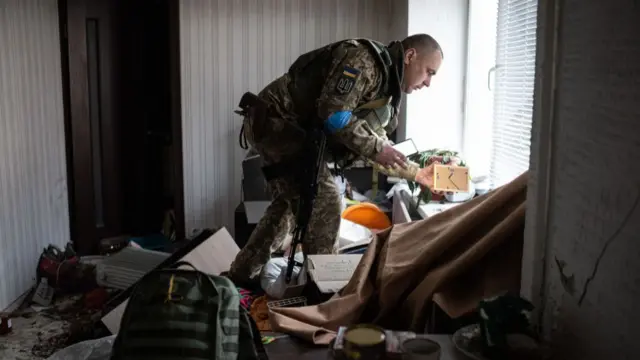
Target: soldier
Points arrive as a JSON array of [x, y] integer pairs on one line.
[[352, 89]]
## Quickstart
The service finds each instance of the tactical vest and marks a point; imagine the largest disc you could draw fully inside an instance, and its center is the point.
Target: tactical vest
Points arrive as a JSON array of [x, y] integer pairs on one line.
[[309, 73], [378, 113]]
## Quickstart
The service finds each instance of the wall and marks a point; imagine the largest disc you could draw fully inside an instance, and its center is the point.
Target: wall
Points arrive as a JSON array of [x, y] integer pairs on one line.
[[230, 47], [591, 278], [33, 186], [399, 30], [435, 115]]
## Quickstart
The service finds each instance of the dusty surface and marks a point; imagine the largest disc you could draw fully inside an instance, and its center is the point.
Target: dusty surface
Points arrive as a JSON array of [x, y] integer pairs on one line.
[[38, 334], [28, 333]]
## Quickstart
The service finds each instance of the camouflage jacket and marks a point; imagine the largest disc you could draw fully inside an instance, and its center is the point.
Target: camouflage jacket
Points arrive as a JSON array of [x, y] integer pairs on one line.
[[360, 76]]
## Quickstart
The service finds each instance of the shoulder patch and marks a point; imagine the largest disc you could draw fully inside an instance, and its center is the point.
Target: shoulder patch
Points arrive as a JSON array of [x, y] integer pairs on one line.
[[347, 80]]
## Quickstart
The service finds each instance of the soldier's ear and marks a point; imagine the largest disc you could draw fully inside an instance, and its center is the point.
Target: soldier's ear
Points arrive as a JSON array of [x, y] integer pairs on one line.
[[410, 55]]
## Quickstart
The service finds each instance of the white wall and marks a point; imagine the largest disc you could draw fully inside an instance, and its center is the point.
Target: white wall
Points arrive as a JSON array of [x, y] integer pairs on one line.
[[591, 278], [443, 102], [230, 47], [34, 208]]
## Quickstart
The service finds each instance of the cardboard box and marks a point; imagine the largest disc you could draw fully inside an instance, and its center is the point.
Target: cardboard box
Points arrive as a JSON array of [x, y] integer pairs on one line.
[[246, 218], [296, 289], [331, 273], [254, 184]]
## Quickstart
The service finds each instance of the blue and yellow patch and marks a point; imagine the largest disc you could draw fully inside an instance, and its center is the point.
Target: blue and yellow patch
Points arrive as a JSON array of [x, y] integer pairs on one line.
[[347, 80], [350, 72]]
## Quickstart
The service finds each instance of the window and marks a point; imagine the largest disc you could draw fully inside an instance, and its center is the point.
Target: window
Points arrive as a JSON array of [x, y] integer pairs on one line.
[[435, 115], [499, 91], [479, 99], [514, 83]]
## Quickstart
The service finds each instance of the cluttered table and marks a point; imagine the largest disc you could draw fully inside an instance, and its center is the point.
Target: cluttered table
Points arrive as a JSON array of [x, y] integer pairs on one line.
[[287, 347]]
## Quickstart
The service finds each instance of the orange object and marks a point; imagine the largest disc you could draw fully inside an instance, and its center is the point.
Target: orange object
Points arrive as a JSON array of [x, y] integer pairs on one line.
[[260, 314], [367, 215]]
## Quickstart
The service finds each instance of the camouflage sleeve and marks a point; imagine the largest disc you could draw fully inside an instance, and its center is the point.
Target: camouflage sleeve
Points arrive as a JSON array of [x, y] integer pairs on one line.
[[409, 173], [382, 135], [392, 125], [354, 76]]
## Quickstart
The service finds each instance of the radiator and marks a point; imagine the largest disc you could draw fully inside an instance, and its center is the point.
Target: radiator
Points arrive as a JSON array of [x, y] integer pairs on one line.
[[126, 267]]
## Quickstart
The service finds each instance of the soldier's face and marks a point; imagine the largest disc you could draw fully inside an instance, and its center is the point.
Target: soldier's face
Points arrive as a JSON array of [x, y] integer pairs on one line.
[[419, 69]]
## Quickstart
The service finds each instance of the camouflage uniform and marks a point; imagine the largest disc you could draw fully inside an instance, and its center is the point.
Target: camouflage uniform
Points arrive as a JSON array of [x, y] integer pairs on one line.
[[360, 76]]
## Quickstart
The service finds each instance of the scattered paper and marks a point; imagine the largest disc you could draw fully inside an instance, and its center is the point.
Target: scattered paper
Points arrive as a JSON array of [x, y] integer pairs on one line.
[[351, 233]]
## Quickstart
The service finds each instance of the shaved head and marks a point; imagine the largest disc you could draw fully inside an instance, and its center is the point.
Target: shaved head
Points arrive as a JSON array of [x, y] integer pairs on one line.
[[422, 58], [423, 43]]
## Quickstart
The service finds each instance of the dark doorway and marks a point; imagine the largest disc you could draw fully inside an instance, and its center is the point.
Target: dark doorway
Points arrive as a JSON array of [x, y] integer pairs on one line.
[[122, 97]]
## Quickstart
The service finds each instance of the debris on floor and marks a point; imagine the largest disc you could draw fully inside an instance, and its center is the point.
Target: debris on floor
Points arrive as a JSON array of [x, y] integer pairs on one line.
[[79, 300], [63, 309], [37, 332]]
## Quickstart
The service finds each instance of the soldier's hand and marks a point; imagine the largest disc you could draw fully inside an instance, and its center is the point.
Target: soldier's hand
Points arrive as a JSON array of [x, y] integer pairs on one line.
[[424, 177], [390, 157]]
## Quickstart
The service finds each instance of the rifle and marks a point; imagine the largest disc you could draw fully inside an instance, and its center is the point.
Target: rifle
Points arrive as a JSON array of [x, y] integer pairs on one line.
[[314, 154]]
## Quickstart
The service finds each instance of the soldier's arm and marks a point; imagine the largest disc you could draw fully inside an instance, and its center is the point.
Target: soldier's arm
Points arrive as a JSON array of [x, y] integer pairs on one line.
[[353, 77], [392, 125], [382, 134]]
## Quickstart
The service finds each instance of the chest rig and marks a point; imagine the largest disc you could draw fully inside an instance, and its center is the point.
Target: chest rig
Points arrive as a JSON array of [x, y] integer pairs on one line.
[[378, 114], [381, 112]]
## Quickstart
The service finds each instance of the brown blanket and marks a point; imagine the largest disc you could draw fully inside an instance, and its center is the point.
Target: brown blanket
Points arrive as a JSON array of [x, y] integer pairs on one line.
[[455, 258]]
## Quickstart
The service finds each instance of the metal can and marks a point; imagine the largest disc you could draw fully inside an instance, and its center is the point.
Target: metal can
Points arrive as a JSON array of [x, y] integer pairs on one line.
[[365, 342], [420, 349]]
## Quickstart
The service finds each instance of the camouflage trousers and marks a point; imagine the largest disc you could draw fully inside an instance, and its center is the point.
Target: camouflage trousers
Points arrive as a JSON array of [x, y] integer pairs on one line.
[[279, 218]]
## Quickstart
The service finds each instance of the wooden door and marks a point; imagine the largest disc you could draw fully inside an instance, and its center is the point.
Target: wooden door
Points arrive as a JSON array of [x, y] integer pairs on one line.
[[123, 116], [88, 27]]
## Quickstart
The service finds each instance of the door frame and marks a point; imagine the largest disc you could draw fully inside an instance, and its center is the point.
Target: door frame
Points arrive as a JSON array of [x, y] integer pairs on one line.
[[77, 123], [536, 255], [176, 116]]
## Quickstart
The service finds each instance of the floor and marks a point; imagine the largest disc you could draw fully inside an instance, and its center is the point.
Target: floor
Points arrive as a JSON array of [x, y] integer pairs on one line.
[[39, 332]]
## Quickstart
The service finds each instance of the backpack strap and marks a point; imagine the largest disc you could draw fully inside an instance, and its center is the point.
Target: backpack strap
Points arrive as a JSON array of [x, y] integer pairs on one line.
[[227, 334], [251, 346], [391, 76]]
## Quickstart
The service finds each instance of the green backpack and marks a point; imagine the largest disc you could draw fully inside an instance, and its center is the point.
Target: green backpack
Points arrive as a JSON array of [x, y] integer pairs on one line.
[[185, 314]]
